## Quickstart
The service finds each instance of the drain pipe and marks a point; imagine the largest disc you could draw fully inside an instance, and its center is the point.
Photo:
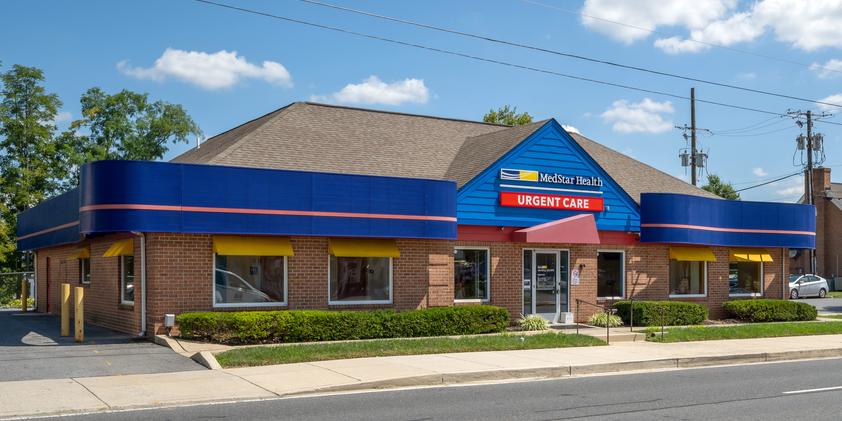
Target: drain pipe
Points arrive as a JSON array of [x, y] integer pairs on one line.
[[142, 282], [784, 275]]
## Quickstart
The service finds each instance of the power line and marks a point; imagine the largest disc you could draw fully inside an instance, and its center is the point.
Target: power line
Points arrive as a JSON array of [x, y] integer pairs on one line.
[[754, 134], [561, 53], [768, 182], [709, 44], [762, 180], [755, 126], [488, 60]]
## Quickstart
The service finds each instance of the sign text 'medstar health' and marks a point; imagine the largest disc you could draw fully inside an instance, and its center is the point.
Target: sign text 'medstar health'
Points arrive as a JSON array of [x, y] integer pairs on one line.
[[551, 201]]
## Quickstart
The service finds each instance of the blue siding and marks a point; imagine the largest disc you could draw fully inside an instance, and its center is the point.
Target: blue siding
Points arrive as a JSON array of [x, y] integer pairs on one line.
[[549, 150]]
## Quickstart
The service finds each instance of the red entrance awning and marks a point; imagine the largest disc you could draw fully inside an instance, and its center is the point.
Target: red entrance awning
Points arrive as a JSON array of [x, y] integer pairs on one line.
[[579, 229]]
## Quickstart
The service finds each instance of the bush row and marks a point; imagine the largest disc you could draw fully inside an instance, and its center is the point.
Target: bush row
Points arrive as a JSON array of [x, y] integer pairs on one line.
[[668, 313], [249, 327], [770, 310]]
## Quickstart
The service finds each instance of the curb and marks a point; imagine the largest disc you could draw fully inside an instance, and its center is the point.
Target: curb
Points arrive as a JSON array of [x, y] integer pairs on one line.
[[206, 359]]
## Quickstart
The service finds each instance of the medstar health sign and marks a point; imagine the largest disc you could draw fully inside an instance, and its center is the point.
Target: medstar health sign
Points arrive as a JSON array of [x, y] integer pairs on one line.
[[550, 201]]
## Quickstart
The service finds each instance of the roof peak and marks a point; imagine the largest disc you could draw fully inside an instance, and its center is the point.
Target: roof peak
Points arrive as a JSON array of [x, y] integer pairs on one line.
[[372, 110]]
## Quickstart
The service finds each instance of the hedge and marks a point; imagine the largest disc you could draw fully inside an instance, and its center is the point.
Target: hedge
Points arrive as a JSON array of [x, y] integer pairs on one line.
[[770, 310], [249, 327], [650, 313]]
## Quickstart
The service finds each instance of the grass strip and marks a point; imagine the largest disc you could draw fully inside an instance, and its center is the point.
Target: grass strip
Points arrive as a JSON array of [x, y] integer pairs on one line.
[[286, 354], [834, 294], [759, 330], [831, 316]]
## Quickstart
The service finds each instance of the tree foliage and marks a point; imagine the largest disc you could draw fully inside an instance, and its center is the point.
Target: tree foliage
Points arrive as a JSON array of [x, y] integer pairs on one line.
[[720, 188], [507, 115]]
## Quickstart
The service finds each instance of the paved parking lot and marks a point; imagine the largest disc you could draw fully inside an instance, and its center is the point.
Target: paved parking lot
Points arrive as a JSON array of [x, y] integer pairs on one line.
[[825, 305], [31, 348]]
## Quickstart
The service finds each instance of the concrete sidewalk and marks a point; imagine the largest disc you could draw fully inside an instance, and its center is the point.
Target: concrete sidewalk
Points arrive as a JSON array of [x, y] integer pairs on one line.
[[40, 397]]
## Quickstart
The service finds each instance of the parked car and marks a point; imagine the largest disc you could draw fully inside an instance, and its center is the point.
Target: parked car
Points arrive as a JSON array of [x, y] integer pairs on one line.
[[807, 286]]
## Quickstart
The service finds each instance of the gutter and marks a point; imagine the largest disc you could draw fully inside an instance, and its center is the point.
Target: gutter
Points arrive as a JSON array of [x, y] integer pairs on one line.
[[142, 282]]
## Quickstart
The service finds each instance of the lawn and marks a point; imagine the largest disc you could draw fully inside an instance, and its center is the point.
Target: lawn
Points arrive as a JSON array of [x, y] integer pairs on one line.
[[831, 316], [757, 330], [285, 354], [834, 294]]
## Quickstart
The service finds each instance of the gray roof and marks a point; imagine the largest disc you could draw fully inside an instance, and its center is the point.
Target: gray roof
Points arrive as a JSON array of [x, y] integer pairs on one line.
[[328, 138]]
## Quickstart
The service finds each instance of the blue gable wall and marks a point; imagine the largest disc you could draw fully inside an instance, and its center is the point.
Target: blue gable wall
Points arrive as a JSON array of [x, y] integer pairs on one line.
[[549, 150]]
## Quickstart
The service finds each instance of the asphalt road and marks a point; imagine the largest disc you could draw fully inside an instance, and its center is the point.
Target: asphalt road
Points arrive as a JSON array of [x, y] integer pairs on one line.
[[761, 391], [31, 348]]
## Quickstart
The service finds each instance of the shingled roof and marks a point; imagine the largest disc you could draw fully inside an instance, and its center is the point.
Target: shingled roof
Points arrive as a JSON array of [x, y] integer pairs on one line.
[[328, 138]]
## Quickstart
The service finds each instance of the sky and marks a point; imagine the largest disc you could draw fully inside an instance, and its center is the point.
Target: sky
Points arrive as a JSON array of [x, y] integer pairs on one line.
[[227, 67]]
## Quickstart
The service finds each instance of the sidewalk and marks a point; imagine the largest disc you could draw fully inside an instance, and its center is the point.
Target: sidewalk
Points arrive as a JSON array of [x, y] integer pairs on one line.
[[40, 397]]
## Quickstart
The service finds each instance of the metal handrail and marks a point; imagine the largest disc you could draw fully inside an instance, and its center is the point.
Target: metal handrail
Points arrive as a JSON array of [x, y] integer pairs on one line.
[[607, 307]]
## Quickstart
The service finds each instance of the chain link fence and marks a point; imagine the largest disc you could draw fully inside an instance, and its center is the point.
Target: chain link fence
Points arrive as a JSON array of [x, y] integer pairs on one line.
[[10, 290]]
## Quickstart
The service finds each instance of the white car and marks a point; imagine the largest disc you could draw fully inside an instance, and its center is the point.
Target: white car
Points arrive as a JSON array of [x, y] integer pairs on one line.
[[807, 286]]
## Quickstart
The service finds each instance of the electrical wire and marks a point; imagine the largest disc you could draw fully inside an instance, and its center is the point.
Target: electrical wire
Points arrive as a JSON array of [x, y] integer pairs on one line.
[[488, 60], [754, 134], [561, 53], [768, 182], [759, 125]]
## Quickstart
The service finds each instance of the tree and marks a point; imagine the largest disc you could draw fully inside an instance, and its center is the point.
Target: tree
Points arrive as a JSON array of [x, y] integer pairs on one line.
[[721, 188], [507, 115], [31, 159]]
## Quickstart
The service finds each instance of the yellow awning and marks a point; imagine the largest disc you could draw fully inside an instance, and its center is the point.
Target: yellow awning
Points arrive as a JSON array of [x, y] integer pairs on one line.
[[692, 254], [234, 245], [750, 255], [120, 248], [353, 247], [81, 253]]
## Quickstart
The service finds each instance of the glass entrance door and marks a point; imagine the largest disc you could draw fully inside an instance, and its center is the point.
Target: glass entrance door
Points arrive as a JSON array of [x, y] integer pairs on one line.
[[545, 283]]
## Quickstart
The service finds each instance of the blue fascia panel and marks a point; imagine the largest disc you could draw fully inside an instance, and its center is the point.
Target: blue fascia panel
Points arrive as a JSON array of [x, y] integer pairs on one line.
[[54, 221]]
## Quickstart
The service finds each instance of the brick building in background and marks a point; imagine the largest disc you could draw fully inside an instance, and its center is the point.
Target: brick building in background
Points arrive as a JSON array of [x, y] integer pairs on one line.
[[325, 207], [827, 198]]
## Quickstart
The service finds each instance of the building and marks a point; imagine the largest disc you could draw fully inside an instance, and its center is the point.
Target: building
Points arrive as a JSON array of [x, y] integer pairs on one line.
[[325, 207], [827, 197]]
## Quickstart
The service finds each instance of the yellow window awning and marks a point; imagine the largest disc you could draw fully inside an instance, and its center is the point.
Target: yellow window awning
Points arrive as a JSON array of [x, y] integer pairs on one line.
[[692, 254], [353, 247], [120, 248], [750, 255], [81, 253], [235, 245]]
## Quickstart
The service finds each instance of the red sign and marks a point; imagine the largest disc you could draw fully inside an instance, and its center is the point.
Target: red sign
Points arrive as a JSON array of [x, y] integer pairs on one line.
[[551, 201]]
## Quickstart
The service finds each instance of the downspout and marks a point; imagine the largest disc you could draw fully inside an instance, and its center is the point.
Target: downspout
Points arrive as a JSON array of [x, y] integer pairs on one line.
[[142, 282], [784, 275], [34, 292]]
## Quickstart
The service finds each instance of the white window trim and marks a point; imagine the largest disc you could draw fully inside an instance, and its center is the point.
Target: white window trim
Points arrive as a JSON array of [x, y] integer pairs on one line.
[[245, 305], [762, 284], [694, 295], [360, 302], [82, 273], [487, 278], [123, 281], [622, 271]]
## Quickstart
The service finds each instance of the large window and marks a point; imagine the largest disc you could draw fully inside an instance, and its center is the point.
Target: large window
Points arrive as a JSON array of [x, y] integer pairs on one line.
[[242, 281], [688, 278], [85, 270], [610, 274], [127, 279], [745, 278], [360, 280], [470, 273]]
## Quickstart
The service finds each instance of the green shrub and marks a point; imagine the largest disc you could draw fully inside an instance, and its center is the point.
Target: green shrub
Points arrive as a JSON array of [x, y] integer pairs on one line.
[[601, 319], [533, 322], [248, 327], [770, 310], [654, 313]]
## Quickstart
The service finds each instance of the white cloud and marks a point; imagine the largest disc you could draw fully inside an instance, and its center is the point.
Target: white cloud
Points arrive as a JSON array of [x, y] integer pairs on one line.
[[759, 172], [747, 76], [570, 129], [791, 190], [833, 99], [374, 91], [62, 116], [829, 70], [804, 25], [639, 117], [222, 69]]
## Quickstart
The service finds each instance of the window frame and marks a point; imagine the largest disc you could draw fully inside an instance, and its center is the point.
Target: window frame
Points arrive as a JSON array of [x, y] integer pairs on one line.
[[122, 261], [762, 282], [487, 276], [362, 302], [82, 266], [244, 305], [705, 272], [622, 272]]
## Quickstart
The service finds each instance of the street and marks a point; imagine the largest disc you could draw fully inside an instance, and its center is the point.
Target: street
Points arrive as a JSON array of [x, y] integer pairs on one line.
[[782, 391]]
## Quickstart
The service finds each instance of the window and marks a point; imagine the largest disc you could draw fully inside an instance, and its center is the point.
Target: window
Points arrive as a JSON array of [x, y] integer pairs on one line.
[[85, 270], [360, 280], [745, 278], [127, 279], [470, 274], [688, 278], [610, 277], [249, 281]]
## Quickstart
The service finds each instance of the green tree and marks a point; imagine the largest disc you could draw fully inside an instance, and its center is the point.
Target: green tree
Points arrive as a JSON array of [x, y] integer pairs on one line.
[[31, 159], [721, 188], [507, 115]]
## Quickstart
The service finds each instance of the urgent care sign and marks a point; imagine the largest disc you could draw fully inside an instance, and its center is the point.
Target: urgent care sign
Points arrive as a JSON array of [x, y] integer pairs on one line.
[[550, 201]]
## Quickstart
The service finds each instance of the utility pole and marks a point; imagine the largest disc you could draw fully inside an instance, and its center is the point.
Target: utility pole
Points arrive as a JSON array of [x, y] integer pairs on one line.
[[693, 136]]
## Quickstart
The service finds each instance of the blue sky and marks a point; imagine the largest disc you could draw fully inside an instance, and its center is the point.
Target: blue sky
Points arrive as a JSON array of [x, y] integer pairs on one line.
[[227, 67]]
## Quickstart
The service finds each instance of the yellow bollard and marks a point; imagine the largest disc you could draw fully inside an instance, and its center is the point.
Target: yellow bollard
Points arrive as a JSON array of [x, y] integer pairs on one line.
[[24, 295], [65, 309], [80, 314]]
